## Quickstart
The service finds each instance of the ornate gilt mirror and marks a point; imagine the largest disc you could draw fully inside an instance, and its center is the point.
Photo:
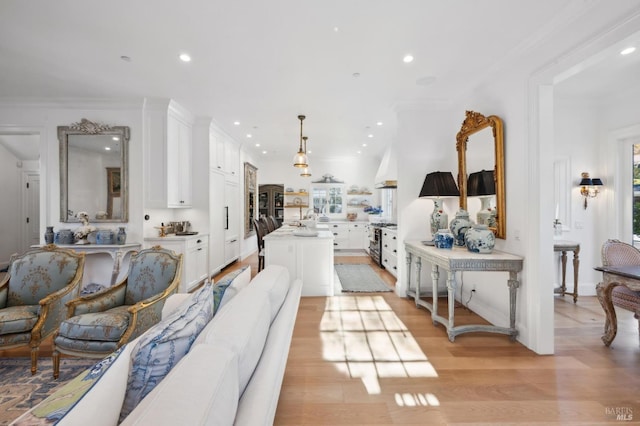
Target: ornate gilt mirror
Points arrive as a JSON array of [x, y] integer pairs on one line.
[[480, 146], [250, 190], [94, 172]]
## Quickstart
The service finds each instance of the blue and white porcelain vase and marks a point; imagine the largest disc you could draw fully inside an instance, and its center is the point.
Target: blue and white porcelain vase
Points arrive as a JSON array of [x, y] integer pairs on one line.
[[459, 226], [443, 239], [480, 239], [49, 235], [65, 236], [121, 237]]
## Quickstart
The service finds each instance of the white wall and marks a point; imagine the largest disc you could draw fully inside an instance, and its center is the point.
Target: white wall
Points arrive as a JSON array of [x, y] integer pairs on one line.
[[10, 222]]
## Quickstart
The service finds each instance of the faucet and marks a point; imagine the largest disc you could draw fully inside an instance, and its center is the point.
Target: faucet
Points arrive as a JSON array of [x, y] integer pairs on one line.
[[310, 214]]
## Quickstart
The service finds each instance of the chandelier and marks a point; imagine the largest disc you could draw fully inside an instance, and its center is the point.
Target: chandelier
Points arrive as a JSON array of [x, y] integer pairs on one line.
[[300, 159]]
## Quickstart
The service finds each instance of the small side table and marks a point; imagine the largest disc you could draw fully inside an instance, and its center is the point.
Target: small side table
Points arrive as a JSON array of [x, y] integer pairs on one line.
[[563, 246]]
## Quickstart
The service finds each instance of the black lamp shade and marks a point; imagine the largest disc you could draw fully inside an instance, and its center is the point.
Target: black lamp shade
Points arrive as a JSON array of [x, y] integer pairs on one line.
[[587, 181], [439, 184], [481, 183], [596, 182]]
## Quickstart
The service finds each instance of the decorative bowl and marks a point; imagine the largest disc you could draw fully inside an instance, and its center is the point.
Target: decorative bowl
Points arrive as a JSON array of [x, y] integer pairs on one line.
[[352, 216]]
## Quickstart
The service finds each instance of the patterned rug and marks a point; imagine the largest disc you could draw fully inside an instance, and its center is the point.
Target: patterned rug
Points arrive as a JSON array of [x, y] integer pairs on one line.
[[19, 390], [358, 278]]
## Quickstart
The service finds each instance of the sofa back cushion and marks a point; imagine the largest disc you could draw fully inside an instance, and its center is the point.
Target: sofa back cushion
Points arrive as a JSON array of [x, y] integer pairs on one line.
[[164, 344], [201, 390]]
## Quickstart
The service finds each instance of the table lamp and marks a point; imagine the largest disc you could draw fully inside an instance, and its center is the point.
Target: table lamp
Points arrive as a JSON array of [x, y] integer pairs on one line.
[[482, 184], [438, 185]]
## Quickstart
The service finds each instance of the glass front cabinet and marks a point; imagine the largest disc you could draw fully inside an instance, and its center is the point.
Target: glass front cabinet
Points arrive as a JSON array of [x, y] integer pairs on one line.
[[271, 201], [329, 199]]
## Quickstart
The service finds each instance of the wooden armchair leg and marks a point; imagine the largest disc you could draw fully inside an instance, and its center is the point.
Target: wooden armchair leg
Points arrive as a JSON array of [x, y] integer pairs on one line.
[[34, 360], [56, 363]]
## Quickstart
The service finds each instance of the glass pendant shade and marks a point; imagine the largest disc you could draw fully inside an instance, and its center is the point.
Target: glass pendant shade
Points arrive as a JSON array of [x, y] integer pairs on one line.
[[300, 159], [306, 172]]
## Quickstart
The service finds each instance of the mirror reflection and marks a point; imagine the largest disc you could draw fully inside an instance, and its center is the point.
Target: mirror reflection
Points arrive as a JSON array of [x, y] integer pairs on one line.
[[480, 146], [93, 172]]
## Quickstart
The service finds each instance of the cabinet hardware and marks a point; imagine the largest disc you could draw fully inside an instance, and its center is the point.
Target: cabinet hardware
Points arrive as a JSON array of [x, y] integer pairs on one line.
[[226, 217], [199, 241]]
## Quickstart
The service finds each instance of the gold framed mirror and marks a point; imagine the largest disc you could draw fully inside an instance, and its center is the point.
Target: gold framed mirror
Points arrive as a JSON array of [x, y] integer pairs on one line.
[[250, 190], [475, 154], [94, 172]]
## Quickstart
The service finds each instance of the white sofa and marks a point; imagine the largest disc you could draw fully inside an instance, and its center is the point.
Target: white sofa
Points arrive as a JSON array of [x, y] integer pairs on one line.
[[231, 375]]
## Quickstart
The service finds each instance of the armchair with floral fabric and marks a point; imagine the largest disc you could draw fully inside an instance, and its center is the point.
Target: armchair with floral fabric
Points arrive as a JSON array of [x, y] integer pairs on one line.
[[33, 295], [100, 323]]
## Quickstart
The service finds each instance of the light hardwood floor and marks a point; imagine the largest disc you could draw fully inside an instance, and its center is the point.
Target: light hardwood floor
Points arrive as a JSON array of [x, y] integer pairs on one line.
[[403, 370]]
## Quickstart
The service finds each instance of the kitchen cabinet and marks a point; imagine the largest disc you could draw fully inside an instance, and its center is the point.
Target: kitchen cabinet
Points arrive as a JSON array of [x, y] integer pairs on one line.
[[224, 154], [271, 201], [167, 161], [223, 220], [232, 221], [348, 235], [390, 250], [194, 262]]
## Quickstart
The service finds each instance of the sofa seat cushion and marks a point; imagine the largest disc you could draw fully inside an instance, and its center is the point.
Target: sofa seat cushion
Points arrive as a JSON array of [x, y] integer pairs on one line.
[[201, 390], [627, 299], [18, 319], [107, 326], [86, 347], [163, 345]]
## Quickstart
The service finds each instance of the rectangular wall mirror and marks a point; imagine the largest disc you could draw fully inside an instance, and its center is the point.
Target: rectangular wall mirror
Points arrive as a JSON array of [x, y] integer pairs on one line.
[[94, 172]]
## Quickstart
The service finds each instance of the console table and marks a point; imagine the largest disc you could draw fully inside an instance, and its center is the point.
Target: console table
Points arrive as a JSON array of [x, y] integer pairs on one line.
[[564, 246], [612, 276], [460, 259], [104, 264]]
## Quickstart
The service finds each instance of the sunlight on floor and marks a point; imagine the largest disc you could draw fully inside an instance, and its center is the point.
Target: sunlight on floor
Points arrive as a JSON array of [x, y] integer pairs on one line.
[[366, 340]]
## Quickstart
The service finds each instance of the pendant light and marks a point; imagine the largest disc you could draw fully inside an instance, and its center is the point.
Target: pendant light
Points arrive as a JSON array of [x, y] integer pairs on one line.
[[300, 159], [306, 172]]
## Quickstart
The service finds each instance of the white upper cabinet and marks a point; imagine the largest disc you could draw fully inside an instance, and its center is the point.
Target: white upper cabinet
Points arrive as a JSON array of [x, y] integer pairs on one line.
[[224, 154], [168, 155]]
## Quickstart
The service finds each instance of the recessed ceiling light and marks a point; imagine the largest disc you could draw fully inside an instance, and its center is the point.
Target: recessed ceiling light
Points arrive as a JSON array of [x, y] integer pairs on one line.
[[249, 135], [628, 50], [336, 29], [115, 138], [107, 148], [407, 59], [364, 144], [359, 152], [258, 144], [309, 151], [236, 123], [369, 135], [379, 123], [264, 152], [185, 57]]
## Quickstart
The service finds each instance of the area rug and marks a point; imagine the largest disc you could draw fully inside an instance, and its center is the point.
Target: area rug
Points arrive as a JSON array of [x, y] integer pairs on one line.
[[19, 390], [356, 278]]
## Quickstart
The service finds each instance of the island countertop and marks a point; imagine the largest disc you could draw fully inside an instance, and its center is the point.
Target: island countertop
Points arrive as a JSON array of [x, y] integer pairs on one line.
[[287, 232]]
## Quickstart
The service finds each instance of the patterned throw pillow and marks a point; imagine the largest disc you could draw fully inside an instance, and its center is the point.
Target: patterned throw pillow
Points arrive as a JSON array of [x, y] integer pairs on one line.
[[58, 404], [163, 345]]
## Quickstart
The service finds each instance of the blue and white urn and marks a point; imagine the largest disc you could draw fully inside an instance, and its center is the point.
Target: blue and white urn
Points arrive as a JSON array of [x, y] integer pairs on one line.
[[480, 239], [459, 226], [443, 239]]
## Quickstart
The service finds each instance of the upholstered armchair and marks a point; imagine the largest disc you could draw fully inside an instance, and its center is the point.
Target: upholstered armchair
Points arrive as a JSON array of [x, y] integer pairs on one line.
[[33, 294], [617, 253], [100, 323]]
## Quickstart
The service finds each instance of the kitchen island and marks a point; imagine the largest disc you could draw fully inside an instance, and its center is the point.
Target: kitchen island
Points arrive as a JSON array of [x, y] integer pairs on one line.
[[307, 253]]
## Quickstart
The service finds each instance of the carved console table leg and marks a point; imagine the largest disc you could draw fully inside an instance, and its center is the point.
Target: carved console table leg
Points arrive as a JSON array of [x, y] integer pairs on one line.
[[611, 322], [418, 270], [435, 276], [576, 270], [563, 258], [513, 284], [408, 279], [451, 294]]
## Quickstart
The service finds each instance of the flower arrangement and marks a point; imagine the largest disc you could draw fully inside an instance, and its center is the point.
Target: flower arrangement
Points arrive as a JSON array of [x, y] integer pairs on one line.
[[83, 232], [373, 210]]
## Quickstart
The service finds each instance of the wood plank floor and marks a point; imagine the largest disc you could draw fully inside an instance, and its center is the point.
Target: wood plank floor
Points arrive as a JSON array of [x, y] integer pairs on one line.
[[376, 359]]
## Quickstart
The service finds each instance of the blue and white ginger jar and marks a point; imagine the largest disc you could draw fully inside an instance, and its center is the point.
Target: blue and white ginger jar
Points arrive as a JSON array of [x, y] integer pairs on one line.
[[459, 226], [480, 239], [443, 239]]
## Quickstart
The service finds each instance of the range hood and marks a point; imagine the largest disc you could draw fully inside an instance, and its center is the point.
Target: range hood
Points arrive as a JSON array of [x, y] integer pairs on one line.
[[387, 175]]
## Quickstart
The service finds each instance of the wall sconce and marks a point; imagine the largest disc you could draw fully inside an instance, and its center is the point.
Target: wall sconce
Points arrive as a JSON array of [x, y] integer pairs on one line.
[[588, 187]]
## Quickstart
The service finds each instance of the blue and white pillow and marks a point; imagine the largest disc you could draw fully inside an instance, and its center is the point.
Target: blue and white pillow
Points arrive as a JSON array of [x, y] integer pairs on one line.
[[232, 283], [163, 345]]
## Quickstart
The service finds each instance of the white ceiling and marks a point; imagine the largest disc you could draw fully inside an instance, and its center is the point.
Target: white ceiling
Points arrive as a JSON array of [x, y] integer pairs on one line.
[[265, 62]]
